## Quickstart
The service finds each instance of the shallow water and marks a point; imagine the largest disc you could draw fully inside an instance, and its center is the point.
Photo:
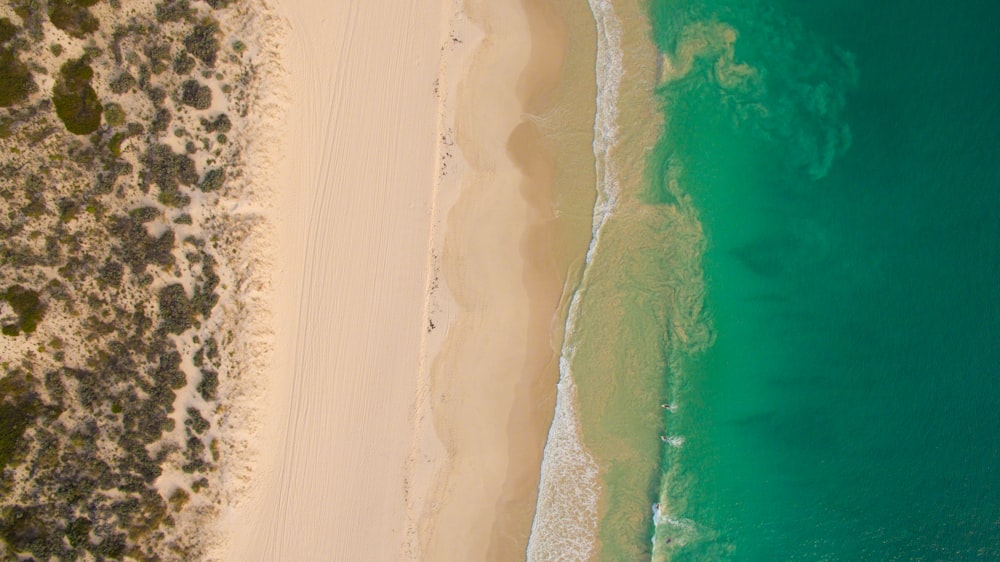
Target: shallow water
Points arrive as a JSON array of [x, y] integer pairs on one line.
[[806, 266]]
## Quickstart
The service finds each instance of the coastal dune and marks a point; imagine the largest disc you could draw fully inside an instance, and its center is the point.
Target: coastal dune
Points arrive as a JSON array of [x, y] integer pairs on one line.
[[351, 218]]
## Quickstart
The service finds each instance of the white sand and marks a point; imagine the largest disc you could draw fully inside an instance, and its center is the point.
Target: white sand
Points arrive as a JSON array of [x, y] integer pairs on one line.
[[352, 219], [487, 392], [415, 295]]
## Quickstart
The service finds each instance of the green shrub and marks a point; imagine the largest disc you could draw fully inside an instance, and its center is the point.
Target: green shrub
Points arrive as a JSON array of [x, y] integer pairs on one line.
[[196, 422], [167, 169], [221, 124], [183, 64], [144, 214], [196, 95], [114, 114], [111, 273], [138, 249], [76, 101], [115, 144], [209, 385], [175, 309], [14, 420], [123, 83], [203, 42], [27, 306], [7, 30], [73, 17], [78, 532], [213, 180], [161, 120], [16, 82], [157, 96], [173, 10]]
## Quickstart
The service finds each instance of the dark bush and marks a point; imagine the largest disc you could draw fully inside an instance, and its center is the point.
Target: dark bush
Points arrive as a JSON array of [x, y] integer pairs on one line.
[[204, 301], [161, 121], [175, 309], [23, 528], [196, 422], [203, 42], [213, 180], [173, 10], [16, 82], [112, 547], [7, 30], [183, 64], [78, 532], [15, 417], [144, 214], [221, 124], [27, 306], [169, 370], [138, 249], [157, 96], [123, 83], [76, 101], [196, 95], [168, 169], [212, 349], [209, 385], [111, 273], [73, 17], [156, 51]]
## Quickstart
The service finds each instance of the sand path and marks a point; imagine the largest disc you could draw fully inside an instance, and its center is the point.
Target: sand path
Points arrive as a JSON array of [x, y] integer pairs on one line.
[[353, 217]]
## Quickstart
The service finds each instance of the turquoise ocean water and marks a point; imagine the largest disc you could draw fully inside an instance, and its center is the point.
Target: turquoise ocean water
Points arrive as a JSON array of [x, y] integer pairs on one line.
[[805, 261], [843, 158]]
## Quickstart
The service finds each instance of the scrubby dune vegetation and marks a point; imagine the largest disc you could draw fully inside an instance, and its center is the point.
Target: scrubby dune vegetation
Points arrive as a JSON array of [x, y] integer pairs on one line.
[[114, 119]]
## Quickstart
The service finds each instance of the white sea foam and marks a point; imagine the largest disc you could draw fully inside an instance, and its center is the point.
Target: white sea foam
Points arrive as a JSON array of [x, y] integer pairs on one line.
[[565, 523]]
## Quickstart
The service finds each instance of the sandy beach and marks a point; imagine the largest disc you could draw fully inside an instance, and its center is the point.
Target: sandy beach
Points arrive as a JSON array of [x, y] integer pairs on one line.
[[487, 397], [418, 289], [352, 215]]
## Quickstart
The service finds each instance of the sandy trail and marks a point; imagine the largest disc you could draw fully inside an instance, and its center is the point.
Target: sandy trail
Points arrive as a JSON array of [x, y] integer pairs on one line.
[[352, 220]]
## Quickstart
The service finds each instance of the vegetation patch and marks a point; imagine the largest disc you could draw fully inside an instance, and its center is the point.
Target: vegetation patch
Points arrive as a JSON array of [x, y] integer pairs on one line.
[[16, 82], [18, 409], [203, 41], [196, 95], [76, 101], [7, 30], [213, 180], [109, 269], [175, 309], [73, 16], [27, 306]]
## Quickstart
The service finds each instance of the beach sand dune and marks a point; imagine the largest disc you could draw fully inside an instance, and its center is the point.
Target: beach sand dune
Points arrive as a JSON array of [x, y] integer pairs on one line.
[[352, 212]]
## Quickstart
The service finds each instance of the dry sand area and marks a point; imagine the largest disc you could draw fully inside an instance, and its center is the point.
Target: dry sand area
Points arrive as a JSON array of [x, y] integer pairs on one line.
[[415, 294]]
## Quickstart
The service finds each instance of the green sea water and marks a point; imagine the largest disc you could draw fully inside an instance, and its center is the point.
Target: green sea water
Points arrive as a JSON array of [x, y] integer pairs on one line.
[[843, 159], [803, 261]]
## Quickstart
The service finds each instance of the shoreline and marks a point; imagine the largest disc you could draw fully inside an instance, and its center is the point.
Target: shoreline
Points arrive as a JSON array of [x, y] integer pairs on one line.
[[456, 403], [501, 257]]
